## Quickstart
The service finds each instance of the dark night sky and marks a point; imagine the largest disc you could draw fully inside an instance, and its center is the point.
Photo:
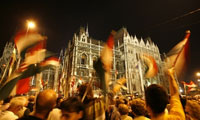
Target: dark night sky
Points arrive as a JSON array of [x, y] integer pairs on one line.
[[143, 18]]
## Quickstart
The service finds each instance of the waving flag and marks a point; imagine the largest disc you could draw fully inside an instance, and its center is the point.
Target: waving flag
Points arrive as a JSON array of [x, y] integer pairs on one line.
[[23, 86], [152, 69], [23, 72], [107, 54], [118, 85], [190, 86], [104, 63], [25, 40], [15, 77], [52, 61], [177, 56]]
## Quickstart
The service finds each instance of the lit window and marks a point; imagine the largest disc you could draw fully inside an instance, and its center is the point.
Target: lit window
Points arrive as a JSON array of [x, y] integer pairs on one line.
[[83, 59]]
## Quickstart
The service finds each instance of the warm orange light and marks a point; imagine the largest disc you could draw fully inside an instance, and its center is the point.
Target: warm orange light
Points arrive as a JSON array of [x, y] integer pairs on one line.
[[30, 24], [198, 74]]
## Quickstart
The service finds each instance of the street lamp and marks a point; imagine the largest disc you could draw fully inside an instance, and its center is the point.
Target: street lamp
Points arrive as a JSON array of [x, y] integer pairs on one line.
[[30, 24], [198, 74], [198, 78]]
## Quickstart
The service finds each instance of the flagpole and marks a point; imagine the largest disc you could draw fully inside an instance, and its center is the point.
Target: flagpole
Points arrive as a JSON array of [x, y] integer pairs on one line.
[[184, 89], [141, 78], [87, 90], [4, 73]]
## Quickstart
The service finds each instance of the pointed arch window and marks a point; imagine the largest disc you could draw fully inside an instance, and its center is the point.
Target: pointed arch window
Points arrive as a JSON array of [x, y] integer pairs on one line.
[[83, 39], [83, 59]]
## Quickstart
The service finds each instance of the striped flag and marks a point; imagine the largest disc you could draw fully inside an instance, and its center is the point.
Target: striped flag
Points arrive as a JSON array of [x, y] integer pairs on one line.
[[15, 77], [51, 61], [177, 56], [23, 86], [190, 86], [107, 54], [25, 40], [104, 63], [152, 69], [23, 72], [35, 57]]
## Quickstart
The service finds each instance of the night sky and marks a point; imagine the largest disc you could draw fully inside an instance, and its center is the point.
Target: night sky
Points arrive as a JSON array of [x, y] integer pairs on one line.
[[164, 21]]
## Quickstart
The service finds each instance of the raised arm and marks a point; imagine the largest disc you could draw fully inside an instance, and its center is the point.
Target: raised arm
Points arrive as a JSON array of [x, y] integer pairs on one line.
[[173, 87]]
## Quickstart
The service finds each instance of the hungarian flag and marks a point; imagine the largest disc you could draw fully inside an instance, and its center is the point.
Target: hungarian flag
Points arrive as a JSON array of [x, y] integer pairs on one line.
[[178, 55], [152, 68], [107, 54], [190, 86], [35, 57], [104, 63], [23, 72], [51, 61], [23, 86], [25, 40], [20, 74]]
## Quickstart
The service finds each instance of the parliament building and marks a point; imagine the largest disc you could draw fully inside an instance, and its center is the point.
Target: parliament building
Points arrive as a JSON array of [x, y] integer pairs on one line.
[[82, 51]]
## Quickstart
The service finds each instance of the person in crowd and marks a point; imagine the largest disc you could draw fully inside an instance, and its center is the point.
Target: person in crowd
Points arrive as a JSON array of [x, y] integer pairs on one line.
[[192, 110], [72, 109], [31, 102], [112, 111], [123, 110], [45, 102], [6, 104], [94, 106], [115, 115], [56, 113], [156, 100], [22, 112], [58, 101], [16, 104], [138, 109]]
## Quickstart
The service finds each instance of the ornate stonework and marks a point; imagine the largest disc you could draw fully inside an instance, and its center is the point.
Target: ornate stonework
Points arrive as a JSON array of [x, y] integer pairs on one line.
[[83, 50]]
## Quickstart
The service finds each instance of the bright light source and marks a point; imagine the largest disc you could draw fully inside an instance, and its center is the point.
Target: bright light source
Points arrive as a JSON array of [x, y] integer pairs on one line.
[[181, 90], [30, 24], [198, 80], [198, 74]]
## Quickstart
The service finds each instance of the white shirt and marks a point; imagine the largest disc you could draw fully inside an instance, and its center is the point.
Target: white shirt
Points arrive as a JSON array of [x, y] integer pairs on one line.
[[55, 114], [8, 115]]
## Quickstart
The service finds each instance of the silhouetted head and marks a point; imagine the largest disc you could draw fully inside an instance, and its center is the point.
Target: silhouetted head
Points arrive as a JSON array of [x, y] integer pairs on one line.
[[72, 109], [45, 101], [156, 99]]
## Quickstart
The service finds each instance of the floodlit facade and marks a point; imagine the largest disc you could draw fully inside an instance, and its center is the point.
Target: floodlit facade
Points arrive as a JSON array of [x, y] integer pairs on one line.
[[83, 51]]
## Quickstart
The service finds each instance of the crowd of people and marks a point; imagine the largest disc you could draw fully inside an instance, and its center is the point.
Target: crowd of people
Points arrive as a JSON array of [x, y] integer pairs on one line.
[[156, 105]]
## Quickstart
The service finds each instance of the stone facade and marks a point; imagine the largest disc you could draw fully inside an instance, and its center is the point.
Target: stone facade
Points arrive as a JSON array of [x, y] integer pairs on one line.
[[83, 50], [5, 61]]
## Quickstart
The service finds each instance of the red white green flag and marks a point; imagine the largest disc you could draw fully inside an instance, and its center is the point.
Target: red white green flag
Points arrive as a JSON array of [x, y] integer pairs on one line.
[[178, 56]]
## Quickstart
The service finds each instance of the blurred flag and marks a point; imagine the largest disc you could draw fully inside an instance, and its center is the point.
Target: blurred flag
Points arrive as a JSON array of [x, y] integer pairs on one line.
[[23, 86], [107, 54], [26, 71], [190, 86], [118, 85], [152, 68], [104, 63], [25, 40], [51, 61], [22, 73], [177, 56], [35, 57]]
